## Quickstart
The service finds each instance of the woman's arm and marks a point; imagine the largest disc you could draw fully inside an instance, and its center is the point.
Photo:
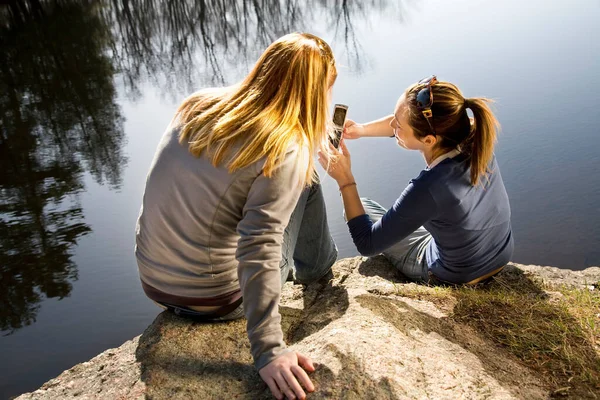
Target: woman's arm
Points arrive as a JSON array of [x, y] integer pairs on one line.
[[340, 169], [414, 207], [378, 128], [268, 207]]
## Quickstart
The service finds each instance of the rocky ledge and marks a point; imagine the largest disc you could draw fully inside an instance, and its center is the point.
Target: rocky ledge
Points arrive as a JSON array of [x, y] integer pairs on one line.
[[368, 340]]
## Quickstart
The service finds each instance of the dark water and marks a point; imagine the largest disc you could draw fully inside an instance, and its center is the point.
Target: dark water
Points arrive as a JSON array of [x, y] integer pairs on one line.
[[87, 88]]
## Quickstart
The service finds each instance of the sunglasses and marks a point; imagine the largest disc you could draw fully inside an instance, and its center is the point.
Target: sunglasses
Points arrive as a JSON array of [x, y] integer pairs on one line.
[[425, 99]]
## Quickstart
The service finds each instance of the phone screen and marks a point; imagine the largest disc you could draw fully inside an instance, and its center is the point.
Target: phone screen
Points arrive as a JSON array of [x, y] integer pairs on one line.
[[339, 117]]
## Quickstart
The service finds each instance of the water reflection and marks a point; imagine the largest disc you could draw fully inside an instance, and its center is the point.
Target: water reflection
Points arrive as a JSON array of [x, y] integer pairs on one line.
[[58, 119], [183, 45]]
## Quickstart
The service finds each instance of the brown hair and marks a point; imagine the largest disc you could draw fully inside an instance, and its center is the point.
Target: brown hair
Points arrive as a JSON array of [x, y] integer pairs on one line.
[[476, 137], [281, 102]]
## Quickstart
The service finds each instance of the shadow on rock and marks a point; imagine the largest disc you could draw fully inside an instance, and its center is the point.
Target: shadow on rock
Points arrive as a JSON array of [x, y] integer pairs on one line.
[[381, 267], [510, 318], [551, 332], [514, 279], [183, 358], [352, 382], [414, 323], [324, 302]]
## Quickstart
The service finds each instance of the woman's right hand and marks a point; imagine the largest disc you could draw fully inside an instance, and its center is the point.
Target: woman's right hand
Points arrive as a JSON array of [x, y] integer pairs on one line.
[[337, 163], [352, 130], [284, 375]]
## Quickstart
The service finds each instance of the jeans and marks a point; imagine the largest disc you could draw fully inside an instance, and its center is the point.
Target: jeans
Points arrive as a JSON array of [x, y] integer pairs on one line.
[[408, 255], [308, 250]]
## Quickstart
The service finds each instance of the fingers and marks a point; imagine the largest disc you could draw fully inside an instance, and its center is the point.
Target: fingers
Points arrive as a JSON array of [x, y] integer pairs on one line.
[[323, 164], [349, 135], [323, 160], [303, 378], [293, 383], [284, 387], [352, 130], [274, 389], [286, 376], [333, 149], [344, 148], [305, 362]]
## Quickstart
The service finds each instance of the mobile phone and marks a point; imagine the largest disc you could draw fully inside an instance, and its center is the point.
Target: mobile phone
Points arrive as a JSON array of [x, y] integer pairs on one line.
[[339, 118]]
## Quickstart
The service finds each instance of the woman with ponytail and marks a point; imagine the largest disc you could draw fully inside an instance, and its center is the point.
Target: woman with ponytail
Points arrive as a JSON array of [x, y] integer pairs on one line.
[[452, 222]]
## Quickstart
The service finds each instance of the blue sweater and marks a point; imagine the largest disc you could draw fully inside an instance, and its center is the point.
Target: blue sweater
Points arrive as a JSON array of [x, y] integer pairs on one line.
[[470, 225]]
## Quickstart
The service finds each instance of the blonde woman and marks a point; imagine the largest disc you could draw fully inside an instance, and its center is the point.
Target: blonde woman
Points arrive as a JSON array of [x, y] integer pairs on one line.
[[231, 203], [451, 224]]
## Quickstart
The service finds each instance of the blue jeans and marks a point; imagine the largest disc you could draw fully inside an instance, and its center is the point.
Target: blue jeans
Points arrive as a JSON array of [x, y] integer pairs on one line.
[[308, 250], [408, 255]]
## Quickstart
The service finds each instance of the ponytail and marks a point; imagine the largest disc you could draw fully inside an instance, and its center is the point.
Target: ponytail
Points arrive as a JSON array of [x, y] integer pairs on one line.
[[476, 137], [483, 137]]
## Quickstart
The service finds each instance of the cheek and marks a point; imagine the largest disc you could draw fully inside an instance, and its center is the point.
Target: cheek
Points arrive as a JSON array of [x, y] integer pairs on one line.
[[400, 139], [409, 141], [409, 136], [406, 137]]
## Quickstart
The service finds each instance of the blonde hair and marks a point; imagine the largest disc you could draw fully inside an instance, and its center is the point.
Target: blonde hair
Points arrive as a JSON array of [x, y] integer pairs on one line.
[[282, 101], [451, 122]]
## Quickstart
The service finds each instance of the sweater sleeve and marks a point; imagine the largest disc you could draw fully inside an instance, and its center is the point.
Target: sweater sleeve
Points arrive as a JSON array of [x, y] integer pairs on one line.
[[414, 207], [267, 211]]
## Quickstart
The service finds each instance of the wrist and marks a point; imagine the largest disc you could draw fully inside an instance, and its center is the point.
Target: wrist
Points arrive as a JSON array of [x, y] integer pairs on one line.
[[363, 131], [347, 185], [345, 180]]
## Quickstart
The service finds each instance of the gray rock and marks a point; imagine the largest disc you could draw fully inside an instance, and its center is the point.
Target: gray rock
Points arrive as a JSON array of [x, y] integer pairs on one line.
[[114, 374], [368, 343], [589, 277]]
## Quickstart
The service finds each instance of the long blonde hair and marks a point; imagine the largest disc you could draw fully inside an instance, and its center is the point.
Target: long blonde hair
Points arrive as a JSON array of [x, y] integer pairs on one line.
[[475, 137], [282, 101]]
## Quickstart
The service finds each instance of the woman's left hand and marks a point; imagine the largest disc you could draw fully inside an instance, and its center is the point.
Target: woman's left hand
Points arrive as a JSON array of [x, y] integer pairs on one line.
[[338, 167]]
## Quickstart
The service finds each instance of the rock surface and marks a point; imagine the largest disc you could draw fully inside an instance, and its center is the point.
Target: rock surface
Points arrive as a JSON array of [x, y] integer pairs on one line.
[[368, 343], [589, 277]]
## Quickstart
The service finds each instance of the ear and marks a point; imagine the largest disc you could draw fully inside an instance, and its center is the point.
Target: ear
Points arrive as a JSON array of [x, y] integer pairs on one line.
[[430, 140]]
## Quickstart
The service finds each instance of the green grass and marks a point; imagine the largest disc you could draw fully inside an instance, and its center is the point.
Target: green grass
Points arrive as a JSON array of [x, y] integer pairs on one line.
[[552, 330]]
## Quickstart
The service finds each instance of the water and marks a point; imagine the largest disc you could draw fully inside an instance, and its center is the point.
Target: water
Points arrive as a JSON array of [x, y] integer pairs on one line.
[[87, 89]]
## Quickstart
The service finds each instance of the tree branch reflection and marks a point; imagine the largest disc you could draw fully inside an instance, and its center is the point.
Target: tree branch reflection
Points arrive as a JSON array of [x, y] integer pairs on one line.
[[180, 46], [58, 120]]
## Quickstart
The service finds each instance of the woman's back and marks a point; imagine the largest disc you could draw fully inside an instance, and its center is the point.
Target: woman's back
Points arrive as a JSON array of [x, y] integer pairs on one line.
[[471, 225], [186, 234], [187, 237]]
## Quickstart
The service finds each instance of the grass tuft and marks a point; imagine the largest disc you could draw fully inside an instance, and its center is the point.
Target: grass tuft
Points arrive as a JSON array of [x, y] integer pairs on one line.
[[553, 330]]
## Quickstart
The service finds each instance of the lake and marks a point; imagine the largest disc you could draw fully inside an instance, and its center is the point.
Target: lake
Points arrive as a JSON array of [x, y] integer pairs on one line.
[[88, 87]]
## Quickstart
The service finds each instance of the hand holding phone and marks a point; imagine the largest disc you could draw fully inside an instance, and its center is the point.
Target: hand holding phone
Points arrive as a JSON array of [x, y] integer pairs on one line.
[[339, 118]]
